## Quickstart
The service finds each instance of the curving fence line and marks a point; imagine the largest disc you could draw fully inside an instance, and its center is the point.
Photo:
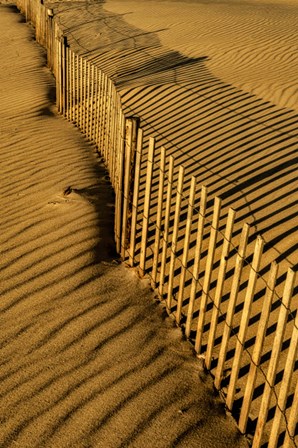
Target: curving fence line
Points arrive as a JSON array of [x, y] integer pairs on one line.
[[242, 321]]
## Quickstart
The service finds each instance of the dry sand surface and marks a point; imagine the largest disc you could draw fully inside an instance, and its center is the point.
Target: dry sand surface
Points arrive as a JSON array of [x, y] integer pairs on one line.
[[87, 357]]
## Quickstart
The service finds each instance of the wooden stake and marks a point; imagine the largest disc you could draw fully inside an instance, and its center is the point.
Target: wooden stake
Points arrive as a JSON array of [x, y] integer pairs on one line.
[[244, 320], [258, 347], [135, 201], [191, 201], [159, 216], [175, 236], [273, 363], [166, 226], [146, 213], [231, 305], [208, 273], [285, 385], [219, 286]]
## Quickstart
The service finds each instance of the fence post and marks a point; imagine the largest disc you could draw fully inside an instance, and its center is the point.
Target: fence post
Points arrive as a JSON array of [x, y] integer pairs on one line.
[[135, 201], [119, 184], [64, 76], [175, 236], [196, 267], [273, 363], [158, 216], [219, 285], [208, 273], [166, 226], [191, 200], [231, 305], [146, 212], [292, 420], [285, 385], [129, 156], [256, 356]]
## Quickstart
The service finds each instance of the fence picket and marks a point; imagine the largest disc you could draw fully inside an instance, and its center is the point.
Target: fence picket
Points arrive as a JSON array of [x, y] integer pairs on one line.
[[292, 421], [273, 363], [244, 320], [166, 227], [175, 236], [188, 225], [146, 212], [285, 385], [160, 201], [135, 200], [257, 351], [208, 273], [231, 305], [219, 286], [196, 267]]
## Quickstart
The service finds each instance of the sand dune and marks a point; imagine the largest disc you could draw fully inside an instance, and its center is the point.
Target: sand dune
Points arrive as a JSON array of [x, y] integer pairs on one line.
[[87, 356]]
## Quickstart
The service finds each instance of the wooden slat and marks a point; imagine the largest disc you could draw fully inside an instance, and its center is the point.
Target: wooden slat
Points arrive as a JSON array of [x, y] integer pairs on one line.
[[146, 213], [231, 306], [219, 285], [175, 235], [285, 386], [258, 347], [91, 103], [244, 320], [166, 227], [208, 273], [160, 203], [191, 201], [135, 200], [119, 185], [273, 363], [196, 267], [292, 421]]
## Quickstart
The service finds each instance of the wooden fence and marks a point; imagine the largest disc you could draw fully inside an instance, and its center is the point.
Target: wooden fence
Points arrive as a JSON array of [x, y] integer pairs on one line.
[[209, 272]]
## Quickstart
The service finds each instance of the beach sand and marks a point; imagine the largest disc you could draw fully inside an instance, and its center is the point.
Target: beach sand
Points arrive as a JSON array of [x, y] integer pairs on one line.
[[88, 358]]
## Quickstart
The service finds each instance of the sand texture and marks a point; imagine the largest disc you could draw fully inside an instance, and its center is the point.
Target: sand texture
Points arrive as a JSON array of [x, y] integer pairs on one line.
[[87, 356]]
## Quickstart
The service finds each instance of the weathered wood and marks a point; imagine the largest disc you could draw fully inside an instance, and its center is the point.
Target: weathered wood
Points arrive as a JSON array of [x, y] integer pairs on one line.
[[244, 320], [273, 363], [146, 213], [208, 273], [219, 285], [191, 200], [166, 227], [231, 306], [175, 236], [292, 421], [258, 347], [135, 200], [196, 267], [119, 185], [160, 203], [285, 386]]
